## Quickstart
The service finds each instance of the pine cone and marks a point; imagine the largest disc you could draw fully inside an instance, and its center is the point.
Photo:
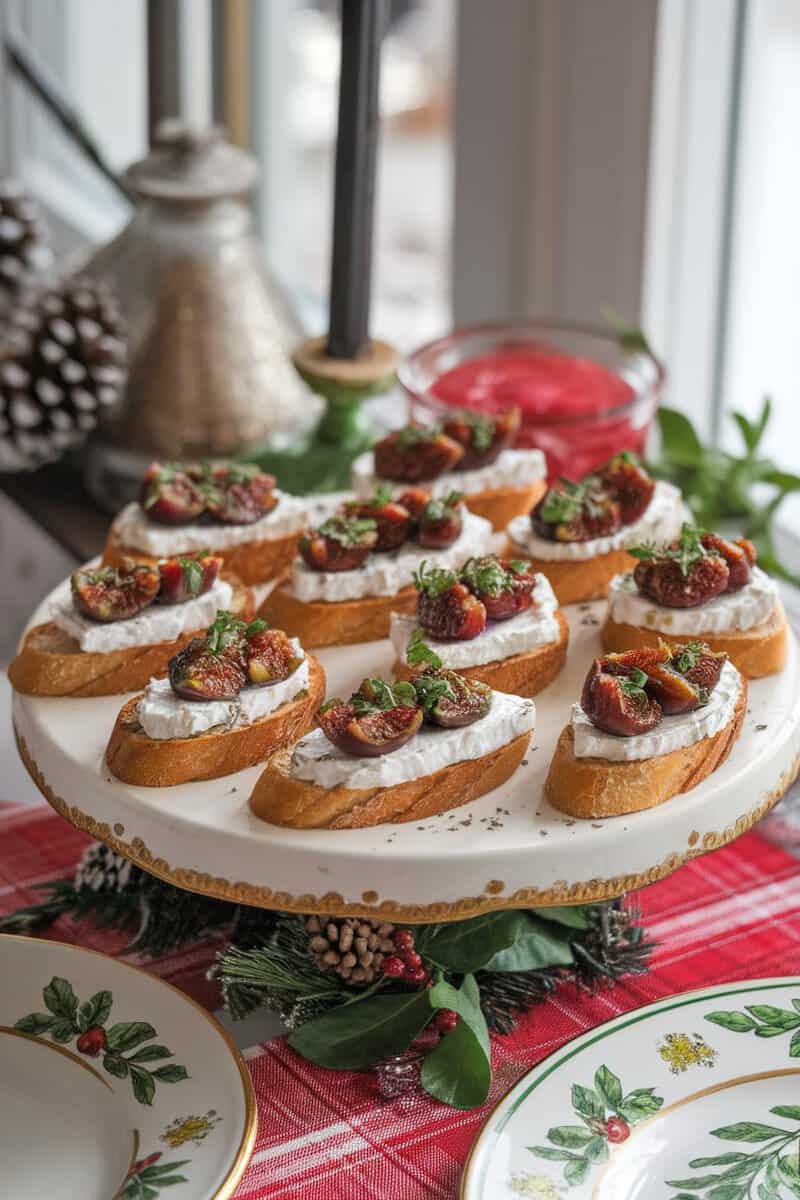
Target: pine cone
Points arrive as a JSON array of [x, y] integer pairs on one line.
[[63, 358], [352, 947], [24, 248]]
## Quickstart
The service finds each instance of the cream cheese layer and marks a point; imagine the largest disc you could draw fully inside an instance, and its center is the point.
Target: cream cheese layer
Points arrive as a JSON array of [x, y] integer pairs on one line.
[[660, 523], [157, 623], [732, 612], [511, 469], [672, 733], [135, 529], [535, 626], [317, 760], [163, 715], [385, 574]]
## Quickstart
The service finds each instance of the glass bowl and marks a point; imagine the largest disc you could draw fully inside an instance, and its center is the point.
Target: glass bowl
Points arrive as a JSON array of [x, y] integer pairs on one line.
[[584, 394]]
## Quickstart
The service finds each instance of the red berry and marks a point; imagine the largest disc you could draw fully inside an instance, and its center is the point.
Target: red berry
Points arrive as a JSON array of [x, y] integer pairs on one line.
[[93, 1042], [404, 939], [445, 1020], [617, 1130], [415, 974], [411, 959], [394, 967]]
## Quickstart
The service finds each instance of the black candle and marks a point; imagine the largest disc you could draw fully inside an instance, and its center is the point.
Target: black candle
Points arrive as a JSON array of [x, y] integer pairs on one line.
[[363, 23]]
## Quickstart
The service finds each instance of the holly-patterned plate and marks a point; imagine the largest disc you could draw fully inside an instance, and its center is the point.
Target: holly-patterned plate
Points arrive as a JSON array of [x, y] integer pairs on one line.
[[113, 1084], [696, 1097]]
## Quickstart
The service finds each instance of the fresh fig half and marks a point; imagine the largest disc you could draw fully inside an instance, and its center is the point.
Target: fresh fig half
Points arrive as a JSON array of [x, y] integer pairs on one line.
[[170, 496], [199, 673], [446, 608], [440, 522], [416, 453], [483, 438], [239, 494], [368, 732], [187, 576], [269, 657], [504, 586], [684, 574], [618, 703], [114, 593], [393, 521], [576, 512], [340, 544], [451, 701]]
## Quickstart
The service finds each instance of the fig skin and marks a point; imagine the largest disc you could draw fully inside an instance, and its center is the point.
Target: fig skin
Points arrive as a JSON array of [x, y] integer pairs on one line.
[[454, 616], [393, 521], [673, 691], [627, 482], [371, 735], [179, 581], [413, 501], [663, 581], [340, 544], [415, 453], [197, 673], [114, 593], [473, 700], [614, 710], [239, 494], [170, 496], [740, 557], [503, 589], [706, 669], [493, 435], [440, 523], [269, 657]]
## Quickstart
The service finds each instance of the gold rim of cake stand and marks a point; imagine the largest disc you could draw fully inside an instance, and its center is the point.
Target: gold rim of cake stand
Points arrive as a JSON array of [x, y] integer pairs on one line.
[[371, 905]]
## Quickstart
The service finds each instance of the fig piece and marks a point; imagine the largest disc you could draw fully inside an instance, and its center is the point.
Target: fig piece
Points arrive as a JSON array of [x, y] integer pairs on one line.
[[200, 673], [576, 512], [682, 575], [626, 481], [451, 701], [170, 496], [340, 544], [186, 576], [414, 501], [416, 453], [618, 703], [269, 657], [673, 691], [740, 557], [698, 663], [504, 586], [393, 521], [441, 522], [483, 438], [114, 593], [378, 719], [446, 608], [239, 493]]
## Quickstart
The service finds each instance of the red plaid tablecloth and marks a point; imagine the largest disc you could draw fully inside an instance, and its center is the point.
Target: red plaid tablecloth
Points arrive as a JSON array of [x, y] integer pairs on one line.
[[327, 1136]]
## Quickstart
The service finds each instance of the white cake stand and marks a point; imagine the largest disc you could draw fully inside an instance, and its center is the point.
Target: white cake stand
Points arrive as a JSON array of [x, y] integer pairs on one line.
[[509, 849]]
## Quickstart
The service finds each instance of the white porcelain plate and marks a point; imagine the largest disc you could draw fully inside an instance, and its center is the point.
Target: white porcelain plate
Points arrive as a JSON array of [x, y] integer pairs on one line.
[[507, 848], [113, 1084], [696, 1097]]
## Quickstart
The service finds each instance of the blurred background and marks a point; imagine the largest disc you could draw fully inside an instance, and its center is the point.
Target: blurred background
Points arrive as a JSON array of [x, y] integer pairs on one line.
[[555, 157]]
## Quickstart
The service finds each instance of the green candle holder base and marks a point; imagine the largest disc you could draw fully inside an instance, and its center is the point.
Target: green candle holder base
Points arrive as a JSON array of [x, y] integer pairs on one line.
[[321, 461]]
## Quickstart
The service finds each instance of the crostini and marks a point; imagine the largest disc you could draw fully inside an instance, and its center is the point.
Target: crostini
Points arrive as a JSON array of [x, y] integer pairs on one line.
[[579, 533], [468, 453], [112, 628], [396, 752], [705, 587], [231, 698], [232, 509], [651, 723], [359, 565], [493, 620]]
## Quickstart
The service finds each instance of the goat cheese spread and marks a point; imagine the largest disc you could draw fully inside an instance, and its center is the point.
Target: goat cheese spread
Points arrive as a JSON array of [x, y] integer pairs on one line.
[[673, 733], [511, 469], [156, 623], [534, 626], [319, 761], [134, 528], [163, 715], [660, 523], [733, 611], [385, 574]]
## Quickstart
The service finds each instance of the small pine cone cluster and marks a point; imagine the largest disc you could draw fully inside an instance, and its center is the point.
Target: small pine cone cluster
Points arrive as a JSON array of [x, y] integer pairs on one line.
[[24, 249], [352, 947]]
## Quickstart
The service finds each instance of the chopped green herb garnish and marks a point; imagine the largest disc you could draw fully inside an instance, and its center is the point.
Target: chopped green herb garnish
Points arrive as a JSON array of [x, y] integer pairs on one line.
[[688, 551], [689, 657], [486, 576], [562, 505], [441, 507], [376, 695], [348, 531], [434, 581], [418, 651], [430, 689], [633, 684]]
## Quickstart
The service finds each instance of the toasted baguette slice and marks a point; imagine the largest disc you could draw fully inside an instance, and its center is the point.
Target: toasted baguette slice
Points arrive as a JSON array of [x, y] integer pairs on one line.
[[574, 581], [501, 505], [135, 758], [595, 787], [755, 652], [51, 663], [252, 562], [520, 674], [335, 623], [284, 800]]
